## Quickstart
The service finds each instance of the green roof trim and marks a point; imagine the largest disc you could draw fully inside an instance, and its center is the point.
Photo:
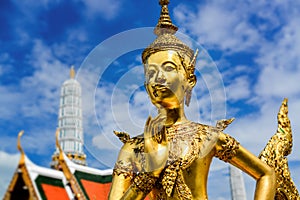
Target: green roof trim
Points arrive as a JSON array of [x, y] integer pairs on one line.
[[93, 177], [48, 180]]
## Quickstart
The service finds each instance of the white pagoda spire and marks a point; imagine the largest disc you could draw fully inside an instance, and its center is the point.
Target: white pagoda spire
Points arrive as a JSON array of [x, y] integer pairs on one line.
[[237, 185], [70, 122]]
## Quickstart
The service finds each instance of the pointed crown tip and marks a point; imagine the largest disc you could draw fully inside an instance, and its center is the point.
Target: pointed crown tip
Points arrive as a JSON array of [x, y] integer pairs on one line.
[[164, 2], [165, 24], [166, 39]]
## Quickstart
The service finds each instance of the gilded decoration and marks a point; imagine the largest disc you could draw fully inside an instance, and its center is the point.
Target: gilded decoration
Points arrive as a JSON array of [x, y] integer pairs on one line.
[[228, 149], [275, 152]]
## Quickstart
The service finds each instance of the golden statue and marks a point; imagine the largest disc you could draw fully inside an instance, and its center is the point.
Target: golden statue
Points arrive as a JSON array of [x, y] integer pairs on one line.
[[171, 159]]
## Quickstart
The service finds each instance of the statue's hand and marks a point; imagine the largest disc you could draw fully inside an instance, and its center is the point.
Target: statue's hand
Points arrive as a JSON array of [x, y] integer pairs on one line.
[[156, 146]]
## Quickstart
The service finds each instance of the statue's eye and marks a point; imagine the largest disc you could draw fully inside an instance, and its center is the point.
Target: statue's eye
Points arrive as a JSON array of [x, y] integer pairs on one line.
[[169, 67], [150, 73]]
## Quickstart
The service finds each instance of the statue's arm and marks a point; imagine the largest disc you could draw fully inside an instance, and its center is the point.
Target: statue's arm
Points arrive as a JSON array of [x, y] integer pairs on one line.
[[229, 150], [122, 174], [126, 184], [153, 153]]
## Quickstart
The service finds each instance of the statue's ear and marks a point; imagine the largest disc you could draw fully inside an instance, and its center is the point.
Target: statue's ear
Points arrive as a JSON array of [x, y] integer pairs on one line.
[[192, 80], [191, 83]]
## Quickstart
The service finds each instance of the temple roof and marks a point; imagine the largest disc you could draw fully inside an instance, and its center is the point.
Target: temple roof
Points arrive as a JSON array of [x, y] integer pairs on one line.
[[94, 183], [31, 181]]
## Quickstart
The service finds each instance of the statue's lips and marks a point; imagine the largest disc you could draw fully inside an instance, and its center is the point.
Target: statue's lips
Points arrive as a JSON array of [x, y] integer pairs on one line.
[[159, 87]]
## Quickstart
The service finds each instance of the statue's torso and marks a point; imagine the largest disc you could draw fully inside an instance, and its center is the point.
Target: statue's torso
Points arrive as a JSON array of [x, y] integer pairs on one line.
[[190, 154]]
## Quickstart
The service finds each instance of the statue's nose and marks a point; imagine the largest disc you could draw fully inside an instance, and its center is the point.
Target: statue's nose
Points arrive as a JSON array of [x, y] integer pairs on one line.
[[160, 78]]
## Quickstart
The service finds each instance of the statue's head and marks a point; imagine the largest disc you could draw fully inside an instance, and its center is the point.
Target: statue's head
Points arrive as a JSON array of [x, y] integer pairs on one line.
[[169, 65]]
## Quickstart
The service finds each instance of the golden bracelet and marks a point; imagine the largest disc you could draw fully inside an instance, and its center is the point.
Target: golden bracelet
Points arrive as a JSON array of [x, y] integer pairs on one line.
[[228, 150], [144, 182]]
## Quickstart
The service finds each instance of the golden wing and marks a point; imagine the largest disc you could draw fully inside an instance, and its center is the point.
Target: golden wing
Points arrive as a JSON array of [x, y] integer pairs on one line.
[[275, 152]]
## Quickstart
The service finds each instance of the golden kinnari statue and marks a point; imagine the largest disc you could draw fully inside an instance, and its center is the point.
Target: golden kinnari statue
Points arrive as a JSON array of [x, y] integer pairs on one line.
[[171, 159]]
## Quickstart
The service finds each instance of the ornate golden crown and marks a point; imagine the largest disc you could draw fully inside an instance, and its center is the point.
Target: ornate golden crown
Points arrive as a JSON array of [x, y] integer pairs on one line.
[[166, 40]]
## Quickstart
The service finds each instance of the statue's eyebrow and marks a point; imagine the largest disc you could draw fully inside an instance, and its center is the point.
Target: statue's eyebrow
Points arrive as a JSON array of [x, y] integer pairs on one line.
[[152, 65], [169, 62]]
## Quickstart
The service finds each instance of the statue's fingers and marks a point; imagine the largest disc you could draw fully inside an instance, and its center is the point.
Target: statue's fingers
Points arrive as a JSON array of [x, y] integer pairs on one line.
[[147, 127], [159, 123], [152, 127], [155, 121], [148, 121]]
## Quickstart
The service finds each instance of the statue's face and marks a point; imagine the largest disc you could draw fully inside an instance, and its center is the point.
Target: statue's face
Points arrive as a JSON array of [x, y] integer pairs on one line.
[[166, 81]]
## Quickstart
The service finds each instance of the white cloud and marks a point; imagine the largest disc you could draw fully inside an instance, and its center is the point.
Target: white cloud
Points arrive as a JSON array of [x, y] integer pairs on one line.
[[38, 92], [40, 143], [35, 100], [238, 89], [278, 83], [34, 141], [279, 76], [11, 99], [255, 129], [121, 116], [106, 8], [218, 25], [9, 163], [41, 90], [281, 64]]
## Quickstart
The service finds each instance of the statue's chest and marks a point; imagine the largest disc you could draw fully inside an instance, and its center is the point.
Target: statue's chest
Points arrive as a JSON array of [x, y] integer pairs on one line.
[[184, 143], [187, 142]]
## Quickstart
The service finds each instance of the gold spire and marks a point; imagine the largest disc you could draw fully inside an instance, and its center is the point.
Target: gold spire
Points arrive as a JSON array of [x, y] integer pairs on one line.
[[72, 72], [165, 24]]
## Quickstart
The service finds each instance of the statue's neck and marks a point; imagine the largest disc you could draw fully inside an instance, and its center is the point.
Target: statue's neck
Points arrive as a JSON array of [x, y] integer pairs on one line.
[[173, 115]]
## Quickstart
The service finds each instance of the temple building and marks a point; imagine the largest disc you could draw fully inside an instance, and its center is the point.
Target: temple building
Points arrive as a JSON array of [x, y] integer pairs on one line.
[[70, 178], [237, 186], [70, 122]]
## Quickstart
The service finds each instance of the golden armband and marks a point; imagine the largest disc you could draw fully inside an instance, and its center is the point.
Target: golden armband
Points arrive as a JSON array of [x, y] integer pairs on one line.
[[123, 168], [228, 149]]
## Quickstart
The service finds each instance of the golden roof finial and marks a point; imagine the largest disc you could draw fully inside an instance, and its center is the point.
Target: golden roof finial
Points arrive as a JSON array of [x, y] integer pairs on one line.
[[61, 152], [72, 72], [19, 146], [67, 172], [165, 24], [57, 141]]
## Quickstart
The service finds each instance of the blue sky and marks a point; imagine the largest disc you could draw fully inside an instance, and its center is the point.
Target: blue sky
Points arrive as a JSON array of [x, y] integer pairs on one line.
[[249, 61]]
